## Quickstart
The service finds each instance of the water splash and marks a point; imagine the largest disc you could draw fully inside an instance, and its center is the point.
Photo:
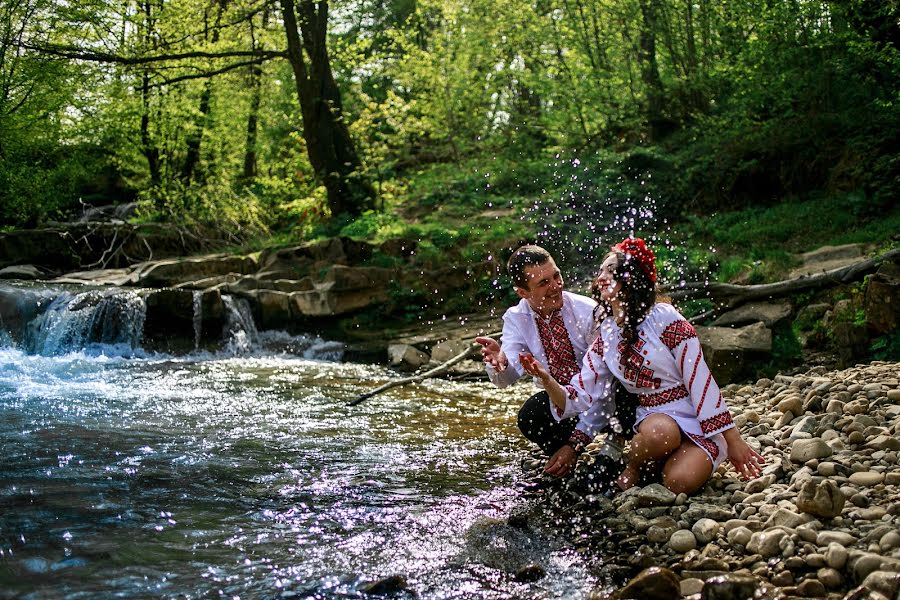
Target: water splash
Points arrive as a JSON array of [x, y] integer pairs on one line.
[[102, 319], [197, 305], [240, 332]]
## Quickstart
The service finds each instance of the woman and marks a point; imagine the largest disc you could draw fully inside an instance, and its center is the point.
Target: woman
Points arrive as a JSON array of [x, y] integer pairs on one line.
[[683, 423]]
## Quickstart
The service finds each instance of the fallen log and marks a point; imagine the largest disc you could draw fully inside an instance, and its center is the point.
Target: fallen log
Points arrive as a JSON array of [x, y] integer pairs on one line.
[[729, 295], [438, 370]]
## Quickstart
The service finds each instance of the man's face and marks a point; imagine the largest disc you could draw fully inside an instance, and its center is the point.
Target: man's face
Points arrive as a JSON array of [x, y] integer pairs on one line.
[[545, 287]]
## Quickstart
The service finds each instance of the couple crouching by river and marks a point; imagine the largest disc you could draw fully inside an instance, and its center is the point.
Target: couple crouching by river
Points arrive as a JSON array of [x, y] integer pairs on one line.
[[625, 363]]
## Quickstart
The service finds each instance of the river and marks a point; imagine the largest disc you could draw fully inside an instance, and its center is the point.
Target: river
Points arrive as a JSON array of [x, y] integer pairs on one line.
[[242, 473]]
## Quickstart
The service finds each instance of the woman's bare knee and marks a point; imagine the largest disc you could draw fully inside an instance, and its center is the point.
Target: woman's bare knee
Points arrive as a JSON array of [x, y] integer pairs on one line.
[[661, 431], [687, 469]]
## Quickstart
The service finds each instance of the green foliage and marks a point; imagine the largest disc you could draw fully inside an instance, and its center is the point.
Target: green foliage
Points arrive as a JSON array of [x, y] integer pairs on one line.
[[886, 347], [786, 351]]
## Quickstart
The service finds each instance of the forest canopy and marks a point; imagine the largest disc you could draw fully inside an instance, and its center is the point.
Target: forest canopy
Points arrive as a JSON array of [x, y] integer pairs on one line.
[[280, 114]]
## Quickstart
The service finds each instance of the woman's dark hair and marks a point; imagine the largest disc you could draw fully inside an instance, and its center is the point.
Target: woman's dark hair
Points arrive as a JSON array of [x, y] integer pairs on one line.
[[638, 295]]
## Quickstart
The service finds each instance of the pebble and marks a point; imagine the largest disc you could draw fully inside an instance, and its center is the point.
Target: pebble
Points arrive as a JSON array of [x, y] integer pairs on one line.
[[823, 517], [682, 541], [867, 478]]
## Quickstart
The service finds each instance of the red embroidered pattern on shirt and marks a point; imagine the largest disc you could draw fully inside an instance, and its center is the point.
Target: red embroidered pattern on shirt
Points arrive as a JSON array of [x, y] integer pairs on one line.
[[676, 333], [597, 347], [632, 360], [664, 397], [558, 347], [580, 437], [706, 444], [716, 422]]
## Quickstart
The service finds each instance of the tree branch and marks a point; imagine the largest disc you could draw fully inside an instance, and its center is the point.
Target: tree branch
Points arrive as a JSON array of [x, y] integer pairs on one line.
[[73, 52], [732, 295], [206, 74], [438, 370]]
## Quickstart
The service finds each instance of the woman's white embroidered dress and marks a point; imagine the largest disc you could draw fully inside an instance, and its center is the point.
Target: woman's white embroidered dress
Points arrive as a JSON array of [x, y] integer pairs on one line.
[[665, 367]]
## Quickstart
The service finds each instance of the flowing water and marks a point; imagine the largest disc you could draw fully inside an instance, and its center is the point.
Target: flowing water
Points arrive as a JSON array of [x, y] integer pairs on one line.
[[243, 473]]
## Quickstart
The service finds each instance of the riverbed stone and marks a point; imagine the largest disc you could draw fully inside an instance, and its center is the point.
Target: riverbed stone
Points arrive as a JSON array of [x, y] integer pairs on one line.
[[655, 494], [804, 450], [866, 478], [731, 586], [884, 582], [682, 541], [655, 582], [766, 543], [705, 530], [822, 499]]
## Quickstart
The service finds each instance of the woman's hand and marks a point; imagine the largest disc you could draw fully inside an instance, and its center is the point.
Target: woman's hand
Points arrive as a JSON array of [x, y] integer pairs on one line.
[[533, 367], [745, 459]]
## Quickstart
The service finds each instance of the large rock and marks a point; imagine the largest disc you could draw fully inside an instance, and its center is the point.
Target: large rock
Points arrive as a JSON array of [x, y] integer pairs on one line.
[[822, 499], [273, 308], [299, 261], [827, 258], [769, 313], [729, 352], [24, 272], [69, 247], [18, 306], [444, 351], [345, 289], [406, 357], [882, 300], [167, 273], [172, 316]]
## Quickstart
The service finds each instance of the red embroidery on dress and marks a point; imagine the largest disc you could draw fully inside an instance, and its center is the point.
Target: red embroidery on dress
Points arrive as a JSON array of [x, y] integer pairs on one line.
[[703, 397], [694, 373], [633, 368], [706, 444], [716, 422], [664, 397], [597, 348], [676, 333], [558, 347]]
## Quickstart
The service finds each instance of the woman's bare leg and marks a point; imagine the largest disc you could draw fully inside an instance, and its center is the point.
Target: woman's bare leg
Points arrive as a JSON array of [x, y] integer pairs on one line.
[[657, 437], [687, 469]]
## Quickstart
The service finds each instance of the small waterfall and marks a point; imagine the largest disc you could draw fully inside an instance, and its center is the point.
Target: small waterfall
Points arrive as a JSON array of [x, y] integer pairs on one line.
[[74, 321], [197, 299], [240, 331]]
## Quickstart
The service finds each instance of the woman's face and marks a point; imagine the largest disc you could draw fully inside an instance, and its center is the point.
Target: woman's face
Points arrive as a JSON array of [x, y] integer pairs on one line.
[[605, 287]]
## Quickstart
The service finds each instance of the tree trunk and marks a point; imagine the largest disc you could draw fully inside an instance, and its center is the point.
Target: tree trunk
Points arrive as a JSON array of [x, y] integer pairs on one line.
[[195, 137], [331, 151], [148, 147], [650, 69], [250, 156]]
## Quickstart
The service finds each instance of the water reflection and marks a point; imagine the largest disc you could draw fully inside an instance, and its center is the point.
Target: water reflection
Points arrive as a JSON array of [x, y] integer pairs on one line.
[[250, 477]]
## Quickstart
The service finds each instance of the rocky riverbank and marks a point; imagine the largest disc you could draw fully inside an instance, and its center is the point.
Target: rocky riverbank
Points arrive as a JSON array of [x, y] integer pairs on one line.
[[823, 521]]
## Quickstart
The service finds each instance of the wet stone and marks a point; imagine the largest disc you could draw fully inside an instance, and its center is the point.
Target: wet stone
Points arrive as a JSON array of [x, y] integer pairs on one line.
[[655, 582], [730, 587], [530, 573], [392, 584], [811, 588]]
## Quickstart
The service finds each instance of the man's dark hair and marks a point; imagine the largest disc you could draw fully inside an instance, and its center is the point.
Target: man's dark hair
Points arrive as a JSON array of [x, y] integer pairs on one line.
[[525, 256]]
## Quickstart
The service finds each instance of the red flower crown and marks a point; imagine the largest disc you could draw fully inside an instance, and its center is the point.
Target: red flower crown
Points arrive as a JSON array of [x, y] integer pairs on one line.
[[636, 249]]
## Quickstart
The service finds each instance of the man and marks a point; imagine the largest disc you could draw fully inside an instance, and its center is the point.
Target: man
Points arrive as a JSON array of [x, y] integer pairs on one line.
[[557, 327]]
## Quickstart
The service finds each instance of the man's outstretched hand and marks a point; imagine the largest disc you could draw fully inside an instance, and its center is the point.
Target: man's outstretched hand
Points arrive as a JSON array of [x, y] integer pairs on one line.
[[491, 353]]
